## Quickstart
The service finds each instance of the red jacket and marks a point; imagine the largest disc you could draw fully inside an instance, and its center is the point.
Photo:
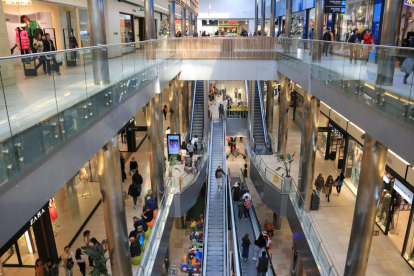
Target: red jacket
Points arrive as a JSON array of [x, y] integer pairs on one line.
[[23, 39], [369, 39]]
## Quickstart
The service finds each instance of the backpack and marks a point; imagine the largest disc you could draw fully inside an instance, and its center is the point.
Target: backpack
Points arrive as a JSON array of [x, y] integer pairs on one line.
[[263, 264]]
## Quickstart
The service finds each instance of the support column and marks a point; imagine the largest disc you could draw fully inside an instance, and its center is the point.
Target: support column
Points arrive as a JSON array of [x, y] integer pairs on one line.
[[389, 36], [369, 189], [155, 145], [269, 106], [256, 17], [277, 222], [318, 30], [174, 99], [263, 21], [149, 19], [296, 265], [171, 10], [195, 24], [96, 17], [310, 125], [288, 18], [184, 105], [190, 24], [272, 18], [283, 117], [183, 20], [113, 205]]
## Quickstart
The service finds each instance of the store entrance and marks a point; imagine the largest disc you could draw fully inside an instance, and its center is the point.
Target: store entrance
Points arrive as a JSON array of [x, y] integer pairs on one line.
[[23, 252], [332, 145]]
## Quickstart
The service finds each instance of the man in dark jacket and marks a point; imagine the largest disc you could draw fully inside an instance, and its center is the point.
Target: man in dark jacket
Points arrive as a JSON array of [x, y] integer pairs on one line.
[[134, 192], [135, 247], [354, 49], [148, 214], [151, 203], [219, 176], [47, 47], [326, 37], [137, 179], [319, 182], [140, 222], [262, 265]]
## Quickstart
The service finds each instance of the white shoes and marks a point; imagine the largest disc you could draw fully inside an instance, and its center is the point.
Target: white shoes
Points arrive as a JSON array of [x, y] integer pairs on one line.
[[135, 206]]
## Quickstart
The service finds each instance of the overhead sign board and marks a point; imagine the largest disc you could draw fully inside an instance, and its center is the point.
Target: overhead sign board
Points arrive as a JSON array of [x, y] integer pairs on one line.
[[334, 6]]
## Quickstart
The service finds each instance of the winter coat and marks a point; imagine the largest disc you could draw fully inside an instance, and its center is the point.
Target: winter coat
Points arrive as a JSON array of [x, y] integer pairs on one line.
[[240, 206], [236, 191], [152, 204], [137, 178], [319, 183], [135, 248], [329, 183], [38, 45], [242, 192], [23, 39], [133, 190], [55, 270], [245, 242], [326, 36]]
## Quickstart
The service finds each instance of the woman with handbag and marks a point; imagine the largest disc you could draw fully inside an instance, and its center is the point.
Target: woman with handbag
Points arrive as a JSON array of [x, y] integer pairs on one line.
[[328, 186], [339, 182], [68, 260]]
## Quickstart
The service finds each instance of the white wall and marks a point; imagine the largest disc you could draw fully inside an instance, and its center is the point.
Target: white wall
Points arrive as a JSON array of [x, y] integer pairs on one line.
[[231, 9]]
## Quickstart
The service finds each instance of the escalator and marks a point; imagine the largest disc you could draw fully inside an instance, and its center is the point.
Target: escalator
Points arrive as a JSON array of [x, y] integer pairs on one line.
[[197, 118], [215, 228], [259, 130]]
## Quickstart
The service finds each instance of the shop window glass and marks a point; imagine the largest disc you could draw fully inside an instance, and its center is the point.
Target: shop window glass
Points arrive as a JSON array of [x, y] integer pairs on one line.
[[409, 250], [353, 163], [358, 13], [10, 257], [299, 109], [27, 248]]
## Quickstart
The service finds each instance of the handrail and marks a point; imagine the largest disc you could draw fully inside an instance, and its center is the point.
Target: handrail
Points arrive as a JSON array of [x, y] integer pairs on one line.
[[205, 241], [225, 220], [263, 116], [192, 110]]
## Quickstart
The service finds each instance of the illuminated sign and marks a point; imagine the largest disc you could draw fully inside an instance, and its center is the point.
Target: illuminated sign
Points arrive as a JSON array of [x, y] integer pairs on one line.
[[409, 3], [337, 131], [173, 143], [17, 2], [36, 217], [403, 191]]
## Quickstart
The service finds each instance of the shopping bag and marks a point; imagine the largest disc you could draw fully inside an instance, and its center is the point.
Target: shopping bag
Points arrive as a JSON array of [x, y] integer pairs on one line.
[[408, 65], [59, 58], [336, 183], [139, 200], [126, 196], [325, 190]]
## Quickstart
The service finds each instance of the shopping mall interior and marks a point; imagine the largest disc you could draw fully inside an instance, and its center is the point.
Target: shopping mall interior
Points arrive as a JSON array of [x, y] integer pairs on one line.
[[159, 137]]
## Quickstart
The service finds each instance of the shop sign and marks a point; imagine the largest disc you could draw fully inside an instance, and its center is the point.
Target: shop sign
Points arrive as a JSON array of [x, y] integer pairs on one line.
[[409, 3], [376, 233], [37, 216], [141, 8], [335, 6], [17, 2], [336, 130], [403, 191]]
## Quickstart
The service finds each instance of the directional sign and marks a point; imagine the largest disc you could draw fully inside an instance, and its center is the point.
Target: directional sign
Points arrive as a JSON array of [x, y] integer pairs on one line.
[[335, 6]]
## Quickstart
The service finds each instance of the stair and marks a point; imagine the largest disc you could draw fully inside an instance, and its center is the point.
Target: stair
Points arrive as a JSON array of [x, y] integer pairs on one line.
[[258, 131], [198, 113]]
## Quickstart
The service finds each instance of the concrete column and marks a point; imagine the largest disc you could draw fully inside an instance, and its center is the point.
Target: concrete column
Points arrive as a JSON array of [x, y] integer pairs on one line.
[[283, 116], [296, 265], [96, 17], [256, 16], [310, 125], [149, 19], [269, 107], [183, 20], [171, 11], [288, 18], [7, 67], [263, 21], [272, 18], [318, 30], [369, 189], [174, 98], [389, 36], [277, 222], [184, 105], [190, 24], [110, 179], [155, 145], [195, 24]]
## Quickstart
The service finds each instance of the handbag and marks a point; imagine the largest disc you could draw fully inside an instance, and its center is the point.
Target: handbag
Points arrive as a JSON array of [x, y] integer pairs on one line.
[[126, 196], [59, 58], [69, 263], [336, 183], [139, 200]]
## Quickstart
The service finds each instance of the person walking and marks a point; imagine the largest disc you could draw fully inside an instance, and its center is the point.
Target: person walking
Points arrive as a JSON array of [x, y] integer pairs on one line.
[[47, 47], [50, 268], [369, 39], [262, 264], [133, 165], [240, 208], [328, 186], [194, 141], [310, 36], [164, 111], [39, 267], [38, 48], [236, 190], [260, 244], [81, 259], [319, 182], [326, 37], [245, 247], [123, 167], [137, 179], [68, 259], [354, 49], [190, 148], [242, 191], [219, 176], [87, 241], [97, 248], [247, 203], [340, 182], [134, 192]]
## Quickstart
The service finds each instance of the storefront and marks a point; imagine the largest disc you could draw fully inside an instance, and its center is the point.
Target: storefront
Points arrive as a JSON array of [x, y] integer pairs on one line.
[[58, 222], [133, 134], [131, 28], [298, 101]]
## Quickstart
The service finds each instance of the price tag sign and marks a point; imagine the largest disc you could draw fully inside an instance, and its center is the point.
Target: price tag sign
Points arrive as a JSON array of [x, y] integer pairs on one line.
[[376, 233]]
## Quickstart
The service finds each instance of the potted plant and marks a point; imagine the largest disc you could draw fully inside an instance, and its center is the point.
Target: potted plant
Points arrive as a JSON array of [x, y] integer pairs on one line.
[[172, 162], [287, 163], [99, 258]]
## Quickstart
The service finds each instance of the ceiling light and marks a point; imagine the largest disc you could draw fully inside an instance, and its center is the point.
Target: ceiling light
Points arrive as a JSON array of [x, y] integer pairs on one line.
[[209, 7]]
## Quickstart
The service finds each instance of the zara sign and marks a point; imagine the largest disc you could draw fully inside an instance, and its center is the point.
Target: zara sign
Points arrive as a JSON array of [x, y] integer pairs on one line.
[[37, 216]]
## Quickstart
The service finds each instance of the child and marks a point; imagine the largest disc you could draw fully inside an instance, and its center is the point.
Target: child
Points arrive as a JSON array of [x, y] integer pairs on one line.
[[193, 225]]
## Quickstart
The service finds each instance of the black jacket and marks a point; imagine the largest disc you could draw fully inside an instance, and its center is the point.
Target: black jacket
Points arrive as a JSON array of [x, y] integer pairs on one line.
[[133, 190], [327, 36], [246, 242], [135, 248], [48, 45], [133, 165], [142, 223], [137, 178]]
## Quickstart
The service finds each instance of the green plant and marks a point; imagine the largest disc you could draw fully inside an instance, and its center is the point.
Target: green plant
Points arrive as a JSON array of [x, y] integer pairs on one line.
[[164, 29], [287, 163], [99, 259], [172, 162]]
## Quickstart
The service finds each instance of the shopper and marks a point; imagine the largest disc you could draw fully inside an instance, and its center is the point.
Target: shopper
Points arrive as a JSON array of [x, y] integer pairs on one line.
[[68, 259], [50, 268], [240, 208], [354, 49], [178, 34], [326, 37], [236, 190], [165, 109], [39, 267], [123, 167], [247, 203], [47, 47], [247, 193], [133, 165], [219, 176], [262, 265], [151, 203], [38, 48], [369, 39], [81, 259], [137, 179], [134, 249], [134, 192], [319, 182], [245, 247], [260, 245], [148, 214], [87, 241], [194, 142], [328, 186], [340, 182], [195, 34], [190, 148], [408, 64], [242, 191], [97, 248], [245, 170]]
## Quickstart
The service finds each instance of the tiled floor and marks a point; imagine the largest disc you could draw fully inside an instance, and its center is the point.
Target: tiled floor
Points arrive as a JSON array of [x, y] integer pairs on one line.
[[334, 218]]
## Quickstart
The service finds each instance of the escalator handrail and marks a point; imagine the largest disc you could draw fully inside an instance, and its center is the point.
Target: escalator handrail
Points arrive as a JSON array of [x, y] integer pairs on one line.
[[205, 241], [192, 110], [225, 220], [270, 272], [259, 87]]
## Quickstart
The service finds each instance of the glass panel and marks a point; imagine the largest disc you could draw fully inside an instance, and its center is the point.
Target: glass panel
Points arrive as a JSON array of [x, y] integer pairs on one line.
[[408, 254], [10, 256], [27, 248], [337, 61]]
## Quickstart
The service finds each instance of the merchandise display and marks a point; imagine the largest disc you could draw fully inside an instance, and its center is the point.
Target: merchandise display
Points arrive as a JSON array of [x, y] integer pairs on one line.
[[83, 187]]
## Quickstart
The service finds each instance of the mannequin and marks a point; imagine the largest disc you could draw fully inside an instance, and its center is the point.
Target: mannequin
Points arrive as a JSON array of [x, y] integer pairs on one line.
[[356, 169], [384, 208], [84, 186], [53, 215]]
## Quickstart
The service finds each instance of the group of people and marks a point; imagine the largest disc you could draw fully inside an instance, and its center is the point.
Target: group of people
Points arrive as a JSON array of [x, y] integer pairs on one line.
[[262, 261], [192, 146], [327, 186], [42, 45], [365, 38], [67, 259], [244, 200]]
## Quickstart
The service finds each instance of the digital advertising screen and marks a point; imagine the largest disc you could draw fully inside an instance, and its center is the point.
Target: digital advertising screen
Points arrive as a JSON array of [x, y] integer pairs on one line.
[[173, 143]]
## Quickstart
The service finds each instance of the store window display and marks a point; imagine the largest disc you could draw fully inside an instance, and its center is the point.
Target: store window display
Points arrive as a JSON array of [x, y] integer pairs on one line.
[[354, 161]]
